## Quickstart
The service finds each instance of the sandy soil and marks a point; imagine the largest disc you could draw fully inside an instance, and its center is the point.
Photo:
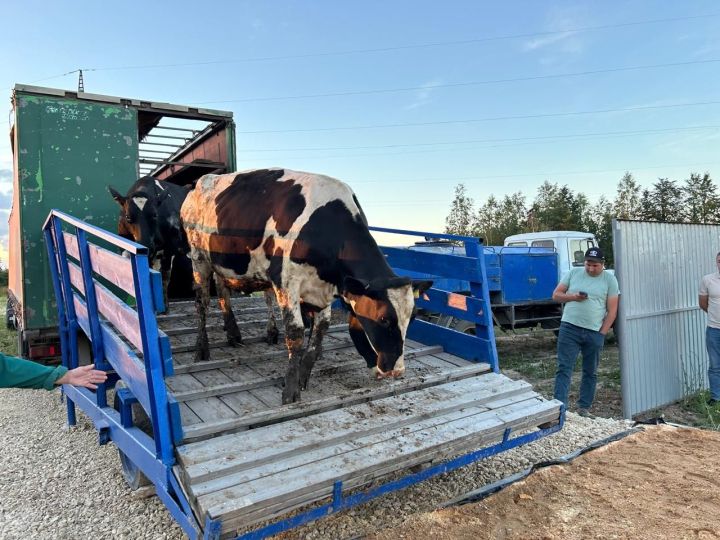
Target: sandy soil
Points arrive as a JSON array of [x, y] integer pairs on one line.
[[661, 483]]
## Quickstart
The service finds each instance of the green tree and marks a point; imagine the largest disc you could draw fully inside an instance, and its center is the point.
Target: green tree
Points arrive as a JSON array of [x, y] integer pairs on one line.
[[495, 220], [627, 200], [701, 199], [460, 218], [558, 208], [667, 199], [599, 222]]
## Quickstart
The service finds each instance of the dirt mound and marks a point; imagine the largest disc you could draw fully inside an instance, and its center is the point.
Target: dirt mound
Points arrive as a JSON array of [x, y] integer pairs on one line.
[[663, 482]]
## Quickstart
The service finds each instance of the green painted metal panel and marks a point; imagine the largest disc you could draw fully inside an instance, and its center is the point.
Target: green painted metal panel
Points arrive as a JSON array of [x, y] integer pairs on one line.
[[68, 152]]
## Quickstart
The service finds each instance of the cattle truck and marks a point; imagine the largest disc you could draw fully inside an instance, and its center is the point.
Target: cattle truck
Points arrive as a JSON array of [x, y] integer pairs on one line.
[[67, 148], [522, 275]]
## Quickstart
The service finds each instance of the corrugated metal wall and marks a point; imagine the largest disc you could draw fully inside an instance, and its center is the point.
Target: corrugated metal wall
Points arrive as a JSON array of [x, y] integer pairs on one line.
[[661, 329]]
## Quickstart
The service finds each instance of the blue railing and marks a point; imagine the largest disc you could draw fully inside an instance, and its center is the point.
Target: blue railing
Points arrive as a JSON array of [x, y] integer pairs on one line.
[[475, 307], [92, 285]]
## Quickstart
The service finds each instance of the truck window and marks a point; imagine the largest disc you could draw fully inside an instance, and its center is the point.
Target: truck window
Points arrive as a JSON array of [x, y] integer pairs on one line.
[[517, 244], [543, 243], [578, 247]]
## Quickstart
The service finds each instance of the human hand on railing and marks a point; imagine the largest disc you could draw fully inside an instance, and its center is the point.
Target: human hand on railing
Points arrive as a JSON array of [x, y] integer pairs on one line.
[[83, 376]]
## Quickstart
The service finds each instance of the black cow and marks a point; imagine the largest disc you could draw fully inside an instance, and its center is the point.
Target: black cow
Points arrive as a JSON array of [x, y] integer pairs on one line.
[[305, 236], [150, 216]]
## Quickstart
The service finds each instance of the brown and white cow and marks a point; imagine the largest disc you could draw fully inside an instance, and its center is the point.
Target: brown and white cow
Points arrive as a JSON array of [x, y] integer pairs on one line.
[[305, 236]]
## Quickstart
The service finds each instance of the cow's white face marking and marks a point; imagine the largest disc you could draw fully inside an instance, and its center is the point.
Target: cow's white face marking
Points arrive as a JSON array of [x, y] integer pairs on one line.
[[140, 202], [157, 183], [403, 301]]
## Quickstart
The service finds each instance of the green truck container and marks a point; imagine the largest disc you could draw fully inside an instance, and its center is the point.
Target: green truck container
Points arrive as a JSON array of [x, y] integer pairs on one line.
[[67, 148]]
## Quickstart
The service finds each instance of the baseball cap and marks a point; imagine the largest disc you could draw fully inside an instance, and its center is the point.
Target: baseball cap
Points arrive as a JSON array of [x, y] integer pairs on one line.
[[594, 254]]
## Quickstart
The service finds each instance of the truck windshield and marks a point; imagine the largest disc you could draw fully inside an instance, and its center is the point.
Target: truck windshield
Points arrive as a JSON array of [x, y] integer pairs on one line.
[[578, 247]]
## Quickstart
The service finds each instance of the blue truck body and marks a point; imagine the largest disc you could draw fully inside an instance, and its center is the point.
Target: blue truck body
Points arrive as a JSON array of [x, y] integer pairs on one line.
[[521, 281]]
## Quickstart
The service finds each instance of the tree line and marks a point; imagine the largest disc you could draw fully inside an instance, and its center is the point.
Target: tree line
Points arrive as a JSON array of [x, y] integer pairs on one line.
[[558, 208]]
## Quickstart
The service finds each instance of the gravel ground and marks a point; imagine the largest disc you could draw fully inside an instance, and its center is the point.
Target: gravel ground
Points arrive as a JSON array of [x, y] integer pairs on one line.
[[58, 483]]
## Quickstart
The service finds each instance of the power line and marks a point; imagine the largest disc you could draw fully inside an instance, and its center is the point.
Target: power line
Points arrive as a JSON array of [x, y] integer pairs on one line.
[[486, 119], [462, 84], [472, 141], [543, 174], [410, 46]]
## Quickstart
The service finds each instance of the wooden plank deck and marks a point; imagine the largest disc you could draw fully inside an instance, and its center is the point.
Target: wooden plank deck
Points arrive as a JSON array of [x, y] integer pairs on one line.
[[246, 458]]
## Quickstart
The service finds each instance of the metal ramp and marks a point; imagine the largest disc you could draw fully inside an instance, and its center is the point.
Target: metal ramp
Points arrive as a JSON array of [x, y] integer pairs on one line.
[[253, 459]]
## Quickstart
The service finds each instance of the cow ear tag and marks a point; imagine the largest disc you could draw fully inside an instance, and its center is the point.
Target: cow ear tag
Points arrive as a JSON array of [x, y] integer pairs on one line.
[[416, 294]]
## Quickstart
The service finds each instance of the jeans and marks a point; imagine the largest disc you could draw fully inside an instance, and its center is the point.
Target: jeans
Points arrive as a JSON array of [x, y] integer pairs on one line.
[[712, 342], [571, 341]]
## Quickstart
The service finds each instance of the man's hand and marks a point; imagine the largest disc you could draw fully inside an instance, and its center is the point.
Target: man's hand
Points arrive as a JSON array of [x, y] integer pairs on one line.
[[83, 376]]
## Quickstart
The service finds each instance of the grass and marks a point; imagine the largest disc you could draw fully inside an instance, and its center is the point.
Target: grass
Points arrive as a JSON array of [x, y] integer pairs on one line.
[[708, 416]]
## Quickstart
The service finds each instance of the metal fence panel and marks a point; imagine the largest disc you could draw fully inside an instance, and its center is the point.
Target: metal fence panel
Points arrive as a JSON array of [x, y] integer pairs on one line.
[[661, 329]]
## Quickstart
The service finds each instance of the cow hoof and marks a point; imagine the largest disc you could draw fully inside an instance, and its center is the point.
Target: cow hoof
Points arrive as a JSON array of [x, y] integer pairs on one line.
[[202, 356], [290, 397], [235, 341], [272, 337]]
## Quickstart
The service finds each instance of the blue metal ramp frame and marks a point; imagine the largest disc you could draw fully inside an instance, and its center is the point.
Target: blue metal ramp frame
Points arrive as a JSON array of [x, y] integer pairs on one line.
[[91, 286]]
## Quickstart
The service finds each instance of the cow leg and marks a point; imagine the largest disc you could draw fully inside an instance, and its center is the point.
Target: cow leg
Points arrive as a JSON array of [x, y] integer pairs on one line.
[[319, 327], [294, 337], [201, 284], [165, 268], [272, 331], [234, 338]]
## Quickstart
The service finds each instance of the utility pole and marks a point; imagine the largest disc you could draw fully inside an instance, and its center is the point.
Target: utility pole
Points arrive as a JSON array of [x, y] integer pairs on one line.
[[81, 84]]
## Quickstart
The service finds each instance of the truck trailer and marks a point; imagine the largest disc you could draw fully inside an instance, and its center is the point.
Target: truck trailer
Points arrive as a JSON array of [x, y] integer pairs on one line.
[[67, 148]]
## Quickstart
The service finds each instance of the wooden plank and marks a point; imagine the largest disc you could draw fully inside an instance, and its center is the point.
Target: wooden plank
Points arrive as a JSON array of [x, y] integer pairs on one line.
[[207, 409], [215, 313], [492, 432], [177, 331], [113, 267], [351, 420], [242, 403], [280, 479], [127, 364], [488, 438], [329, 428], [296, 410], [318, 457], [71, 245], [122, 316]]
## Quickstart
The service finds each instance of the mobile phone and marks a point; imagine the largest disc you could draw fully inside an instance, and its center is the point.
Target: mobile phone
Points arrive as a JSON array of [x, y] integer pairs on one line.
[[583, 293]]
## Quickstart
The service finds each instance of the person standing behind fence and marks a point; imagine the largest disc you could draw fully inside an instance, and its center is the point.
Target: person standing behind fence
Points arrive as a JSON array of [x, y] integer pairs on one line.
[[710, 304], [590, 295]]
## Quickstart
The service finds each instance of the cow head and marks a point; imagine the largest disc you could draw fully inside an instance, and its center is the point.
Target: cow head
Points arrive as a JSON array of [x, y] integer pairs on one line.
[[380, 312], [138, 219]]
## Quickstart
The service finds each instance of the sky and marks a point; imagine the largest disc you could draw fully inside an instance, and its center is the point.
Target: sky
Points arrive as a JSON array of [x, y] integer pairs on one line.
[[404, 100]]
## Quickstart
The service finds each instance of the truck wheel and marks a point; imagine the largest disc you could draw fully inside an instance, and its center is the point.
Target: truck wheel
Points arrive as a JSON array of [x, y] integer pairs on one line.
[[131, 472], [466, 327]]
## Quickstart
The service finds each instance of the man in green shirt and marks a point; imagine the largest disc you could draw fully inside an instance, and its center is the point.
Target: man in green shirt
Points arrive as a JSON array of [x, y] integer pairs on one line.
[[19, 373], [590, 295]]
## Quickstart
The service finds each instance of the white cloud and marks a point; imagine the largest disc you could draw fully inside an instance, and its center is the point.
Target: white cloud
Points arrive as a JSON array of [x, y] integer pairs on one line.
[[557, 47], [539, 43], [423, 96]]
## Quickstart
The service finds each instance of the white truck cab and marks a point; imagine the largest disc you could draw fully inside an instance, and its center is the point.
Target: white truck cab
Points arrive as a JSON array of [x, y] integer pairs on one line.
[[569, 245]]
